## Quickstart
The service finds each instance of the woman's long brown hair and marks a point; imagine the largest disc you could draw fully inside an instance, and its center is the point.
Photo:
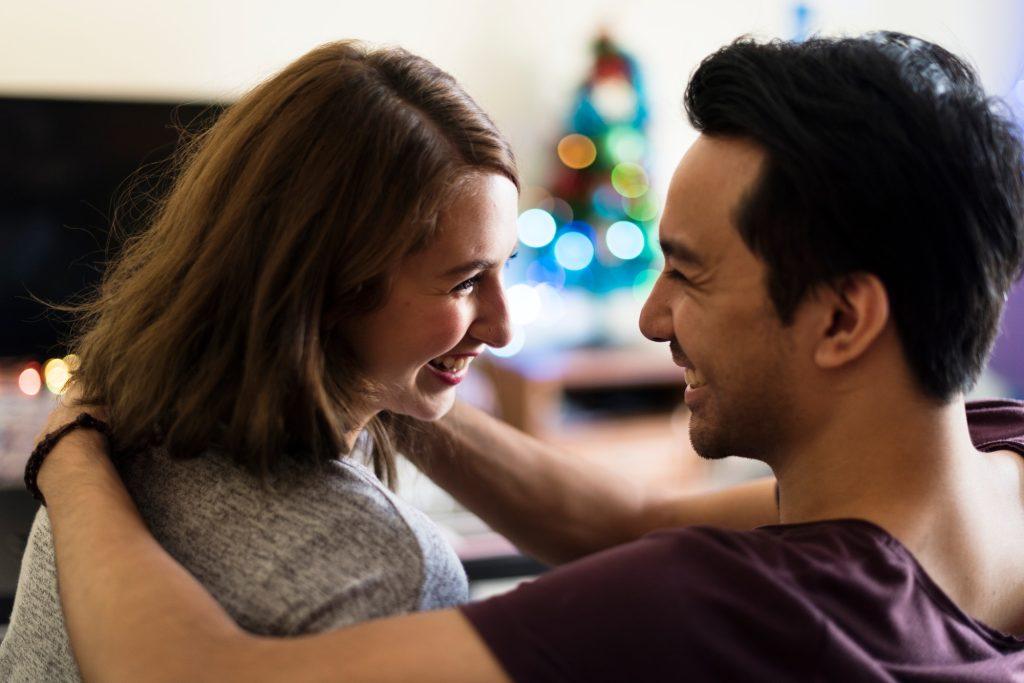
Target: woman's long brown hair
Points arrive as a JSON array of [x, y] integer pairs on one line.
[[218, 325]]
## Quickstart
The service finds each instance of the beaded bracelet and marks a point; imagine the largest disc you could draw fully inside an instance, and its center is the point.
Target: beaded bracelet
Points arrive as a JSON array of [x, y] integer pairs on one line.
[[44, 447]]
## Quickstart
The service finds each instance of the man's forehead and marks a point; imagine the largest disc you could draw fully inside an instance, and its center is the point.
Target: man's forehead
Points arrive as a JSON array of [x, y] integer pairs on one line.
[[708, 185]]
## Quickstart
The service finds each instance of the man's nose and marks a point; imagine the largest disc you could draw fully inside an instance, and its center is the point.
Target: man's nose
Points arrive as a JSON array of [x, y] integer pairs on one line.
[[655, 316]]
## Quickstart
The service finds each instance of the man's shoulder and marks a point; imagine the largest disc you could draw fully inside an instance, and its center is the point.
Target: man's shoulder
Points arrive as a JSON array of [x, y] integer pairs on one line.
[[716, 603], [996, 424], [793, 560], [785, 578]]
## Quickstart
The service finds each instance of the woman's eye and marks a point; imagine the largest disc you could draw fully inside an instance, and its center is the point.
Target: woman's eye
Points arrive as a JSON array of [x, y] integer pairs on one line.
[[468, 285]]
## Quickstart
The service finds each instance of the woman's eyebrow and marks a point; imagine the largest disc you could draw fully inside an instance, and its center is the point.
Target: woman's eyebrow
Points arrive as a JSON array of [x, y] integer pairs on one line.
[[469, 267]]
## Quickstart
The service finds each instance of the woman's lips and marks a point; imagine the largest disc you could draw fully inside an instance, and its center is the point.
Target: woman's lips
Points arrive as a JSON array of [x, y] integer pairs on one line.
[[451, 378]]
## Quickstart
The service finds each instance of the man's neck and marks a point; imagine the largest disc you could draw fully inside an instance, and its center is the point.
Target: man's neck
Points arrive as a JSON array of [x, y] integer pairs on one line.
[[880, 460], [910, 468]]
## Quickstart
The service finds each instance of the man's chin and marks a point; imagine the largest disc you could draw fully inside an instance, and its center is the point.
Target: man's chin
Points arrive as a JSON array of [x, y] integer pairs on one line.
[[707, 441]]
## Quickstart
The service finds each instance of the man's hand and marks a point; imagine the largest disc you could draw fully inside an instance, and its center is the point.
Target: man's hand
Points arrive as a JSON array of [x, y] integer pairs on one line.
[[66, 408]]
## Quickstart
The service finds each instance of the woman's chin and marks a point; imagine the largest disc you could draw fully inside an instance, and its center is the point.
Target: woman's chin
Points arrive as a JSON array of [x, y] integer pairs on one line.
[[430, 410]]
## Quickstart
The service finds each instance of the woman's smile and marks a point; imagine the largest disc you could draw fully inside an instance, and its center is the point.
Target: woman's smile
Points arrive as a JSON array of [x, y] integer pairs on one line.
[[451, 369]]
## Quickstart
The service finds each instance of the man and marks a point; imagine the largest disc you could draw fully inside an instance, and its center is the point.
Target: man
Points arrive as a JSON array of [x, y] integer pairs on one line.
[[839, 243]]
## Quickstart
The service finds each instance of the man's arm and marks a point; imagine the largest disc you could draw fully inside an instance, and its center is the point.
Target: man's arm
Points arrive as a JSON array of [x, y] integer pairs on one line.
[[557, 506], [133, 613]]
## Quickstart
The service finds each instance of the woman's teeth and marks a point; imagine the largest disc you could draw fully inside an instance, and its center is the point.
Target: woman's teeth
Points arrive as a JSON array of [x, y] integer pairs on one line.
[[451, 363], [693, 378]]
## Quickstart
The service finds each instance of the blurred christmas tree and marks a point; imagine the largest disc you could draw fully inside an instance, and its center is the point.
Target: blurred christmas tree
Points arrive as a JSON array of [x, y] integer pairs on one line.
[[595, 226]]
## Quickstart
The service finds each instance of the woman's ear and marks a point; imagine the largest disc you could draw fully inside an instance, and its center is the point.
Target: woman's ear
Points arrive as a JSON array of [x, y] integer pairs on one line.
[[855, 310]]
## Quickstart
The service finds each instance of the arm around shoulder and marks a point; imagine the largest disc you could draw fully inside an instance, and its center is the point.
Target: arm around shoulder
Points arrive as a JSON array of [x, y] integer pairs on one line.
[[133, 613]]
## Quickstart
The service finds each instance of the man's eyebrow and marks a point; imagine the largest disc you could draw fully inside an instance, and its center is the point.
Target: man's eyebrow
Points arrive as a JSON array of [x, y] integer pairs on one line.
[[680, 252]]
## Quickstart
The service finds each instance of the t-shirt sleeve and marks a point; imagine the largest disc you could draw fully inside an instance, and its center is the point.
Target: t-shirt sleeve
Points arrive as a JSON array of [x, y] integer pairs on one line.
[[996, 424], [688, 604]]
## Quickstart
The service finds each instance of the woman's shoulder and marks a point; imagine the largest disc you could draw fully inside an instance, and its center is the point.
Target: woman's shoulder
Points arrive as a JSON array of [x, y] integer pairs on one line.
[[294, 504], [324, 548]]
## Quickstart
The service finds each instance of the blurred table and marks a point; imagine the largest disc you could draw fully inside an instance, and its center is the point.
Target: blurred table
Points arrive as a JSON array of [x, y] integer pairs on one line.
[[622, 407]]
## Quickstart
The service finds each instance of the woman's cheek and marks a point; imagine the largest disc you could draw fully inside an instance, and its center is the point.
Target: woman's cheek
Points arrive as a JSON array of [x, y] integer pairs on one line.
[[438, 329]]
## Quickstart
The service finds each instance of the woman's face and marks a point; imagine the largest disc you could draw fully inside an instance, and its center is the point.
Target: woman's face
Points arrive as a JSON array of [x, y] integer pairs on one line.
[[446, 303]]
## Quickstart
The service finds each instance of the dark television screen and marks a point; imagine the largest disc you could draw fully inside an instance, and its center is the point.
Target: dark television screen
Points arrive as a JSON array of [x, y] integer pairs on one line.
[[65, 166]]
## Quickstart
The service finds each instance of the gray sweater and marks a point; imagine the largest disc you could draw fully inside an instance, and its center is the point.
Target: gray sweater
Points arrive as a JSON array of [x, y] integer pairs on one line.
[[309, 554]]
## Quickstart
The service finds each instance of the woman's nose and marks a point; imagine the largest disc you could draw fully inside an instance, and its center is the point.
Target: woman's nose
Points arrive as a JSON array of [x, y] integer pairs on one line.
[[492, 325]]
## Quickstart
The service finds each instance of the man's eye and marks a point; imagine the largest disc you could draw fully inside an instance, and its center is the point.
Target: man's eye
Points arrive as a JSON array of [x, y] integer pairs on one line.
[[676, 275], [468, 285]]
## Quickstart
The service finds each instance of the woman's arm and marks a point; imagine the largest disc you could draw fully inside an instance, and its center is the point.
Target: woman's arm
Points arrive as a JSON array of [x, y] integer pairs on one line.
[[557, 506], [133, 613]]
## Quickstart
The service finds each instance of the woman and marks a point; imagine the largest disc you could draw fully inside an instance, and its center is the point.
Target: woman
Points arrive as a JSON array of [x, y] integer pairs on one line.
[[328, 259]]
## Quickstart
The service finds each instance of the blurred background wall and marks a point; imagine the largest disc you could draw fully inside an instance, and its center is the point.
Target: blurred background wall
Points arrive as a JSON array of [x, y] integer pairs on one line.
[[519, 59]]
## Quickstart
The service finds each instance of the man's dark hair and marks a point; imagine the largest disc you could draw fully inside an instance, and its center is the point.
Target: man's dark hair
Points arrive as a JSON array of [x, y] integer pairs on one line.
[[885, 156]]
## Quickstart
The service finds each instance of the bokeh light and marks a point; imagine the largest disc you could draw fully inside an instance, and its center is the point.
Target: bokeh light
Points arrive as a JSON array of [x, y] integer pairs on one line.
[[514, 346], [577, 151], [574, 251], [523, 304], [625, 240], [615, 99], [546, 270], [625, 143], [55, 375], [30, 382], [72, 361], [607, 202], [643, 208], [552, 308], [536, 228], [558, 208], [630, 180], [644, 283]]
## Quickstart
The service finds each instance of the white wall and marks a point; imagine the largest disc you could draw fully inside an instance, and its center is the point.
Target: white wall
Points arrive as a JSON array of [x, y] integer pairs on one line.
[[519, 59]]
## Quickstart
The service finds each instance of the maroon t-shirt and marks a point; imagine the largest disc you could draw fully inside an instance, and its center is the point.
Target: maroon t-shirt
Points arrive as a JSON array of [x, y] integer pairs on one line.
[[822, 601]]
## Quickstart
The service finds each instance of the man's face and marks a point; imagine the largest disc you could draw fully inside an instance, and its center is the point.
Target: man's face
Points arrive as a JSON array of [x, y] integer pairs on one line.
[[712, 306]]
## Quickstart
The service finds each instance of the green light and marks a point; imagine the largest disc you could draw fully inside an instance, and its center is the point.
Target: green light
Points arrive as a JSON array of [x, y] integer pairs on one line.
[[629, 180], [625, 144]]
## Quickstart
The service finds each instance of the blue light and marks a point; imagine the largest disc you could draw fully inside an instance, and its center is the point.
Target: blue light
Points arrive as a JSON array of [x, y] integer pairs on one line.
[[536, 228], [625, 240], [607, 202], [574, 251], [546, 269]]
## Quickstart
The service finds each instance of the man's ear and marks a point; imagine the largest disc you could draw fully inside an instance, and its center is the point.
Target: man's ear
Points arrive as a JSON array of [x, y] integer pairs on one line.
[[854, 311]]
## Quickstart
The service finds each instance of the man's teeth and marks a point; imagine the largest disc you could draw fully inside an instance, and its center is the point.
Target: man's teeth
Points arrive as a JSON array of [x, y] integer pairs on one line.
[[693, 378], [452, 363]]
